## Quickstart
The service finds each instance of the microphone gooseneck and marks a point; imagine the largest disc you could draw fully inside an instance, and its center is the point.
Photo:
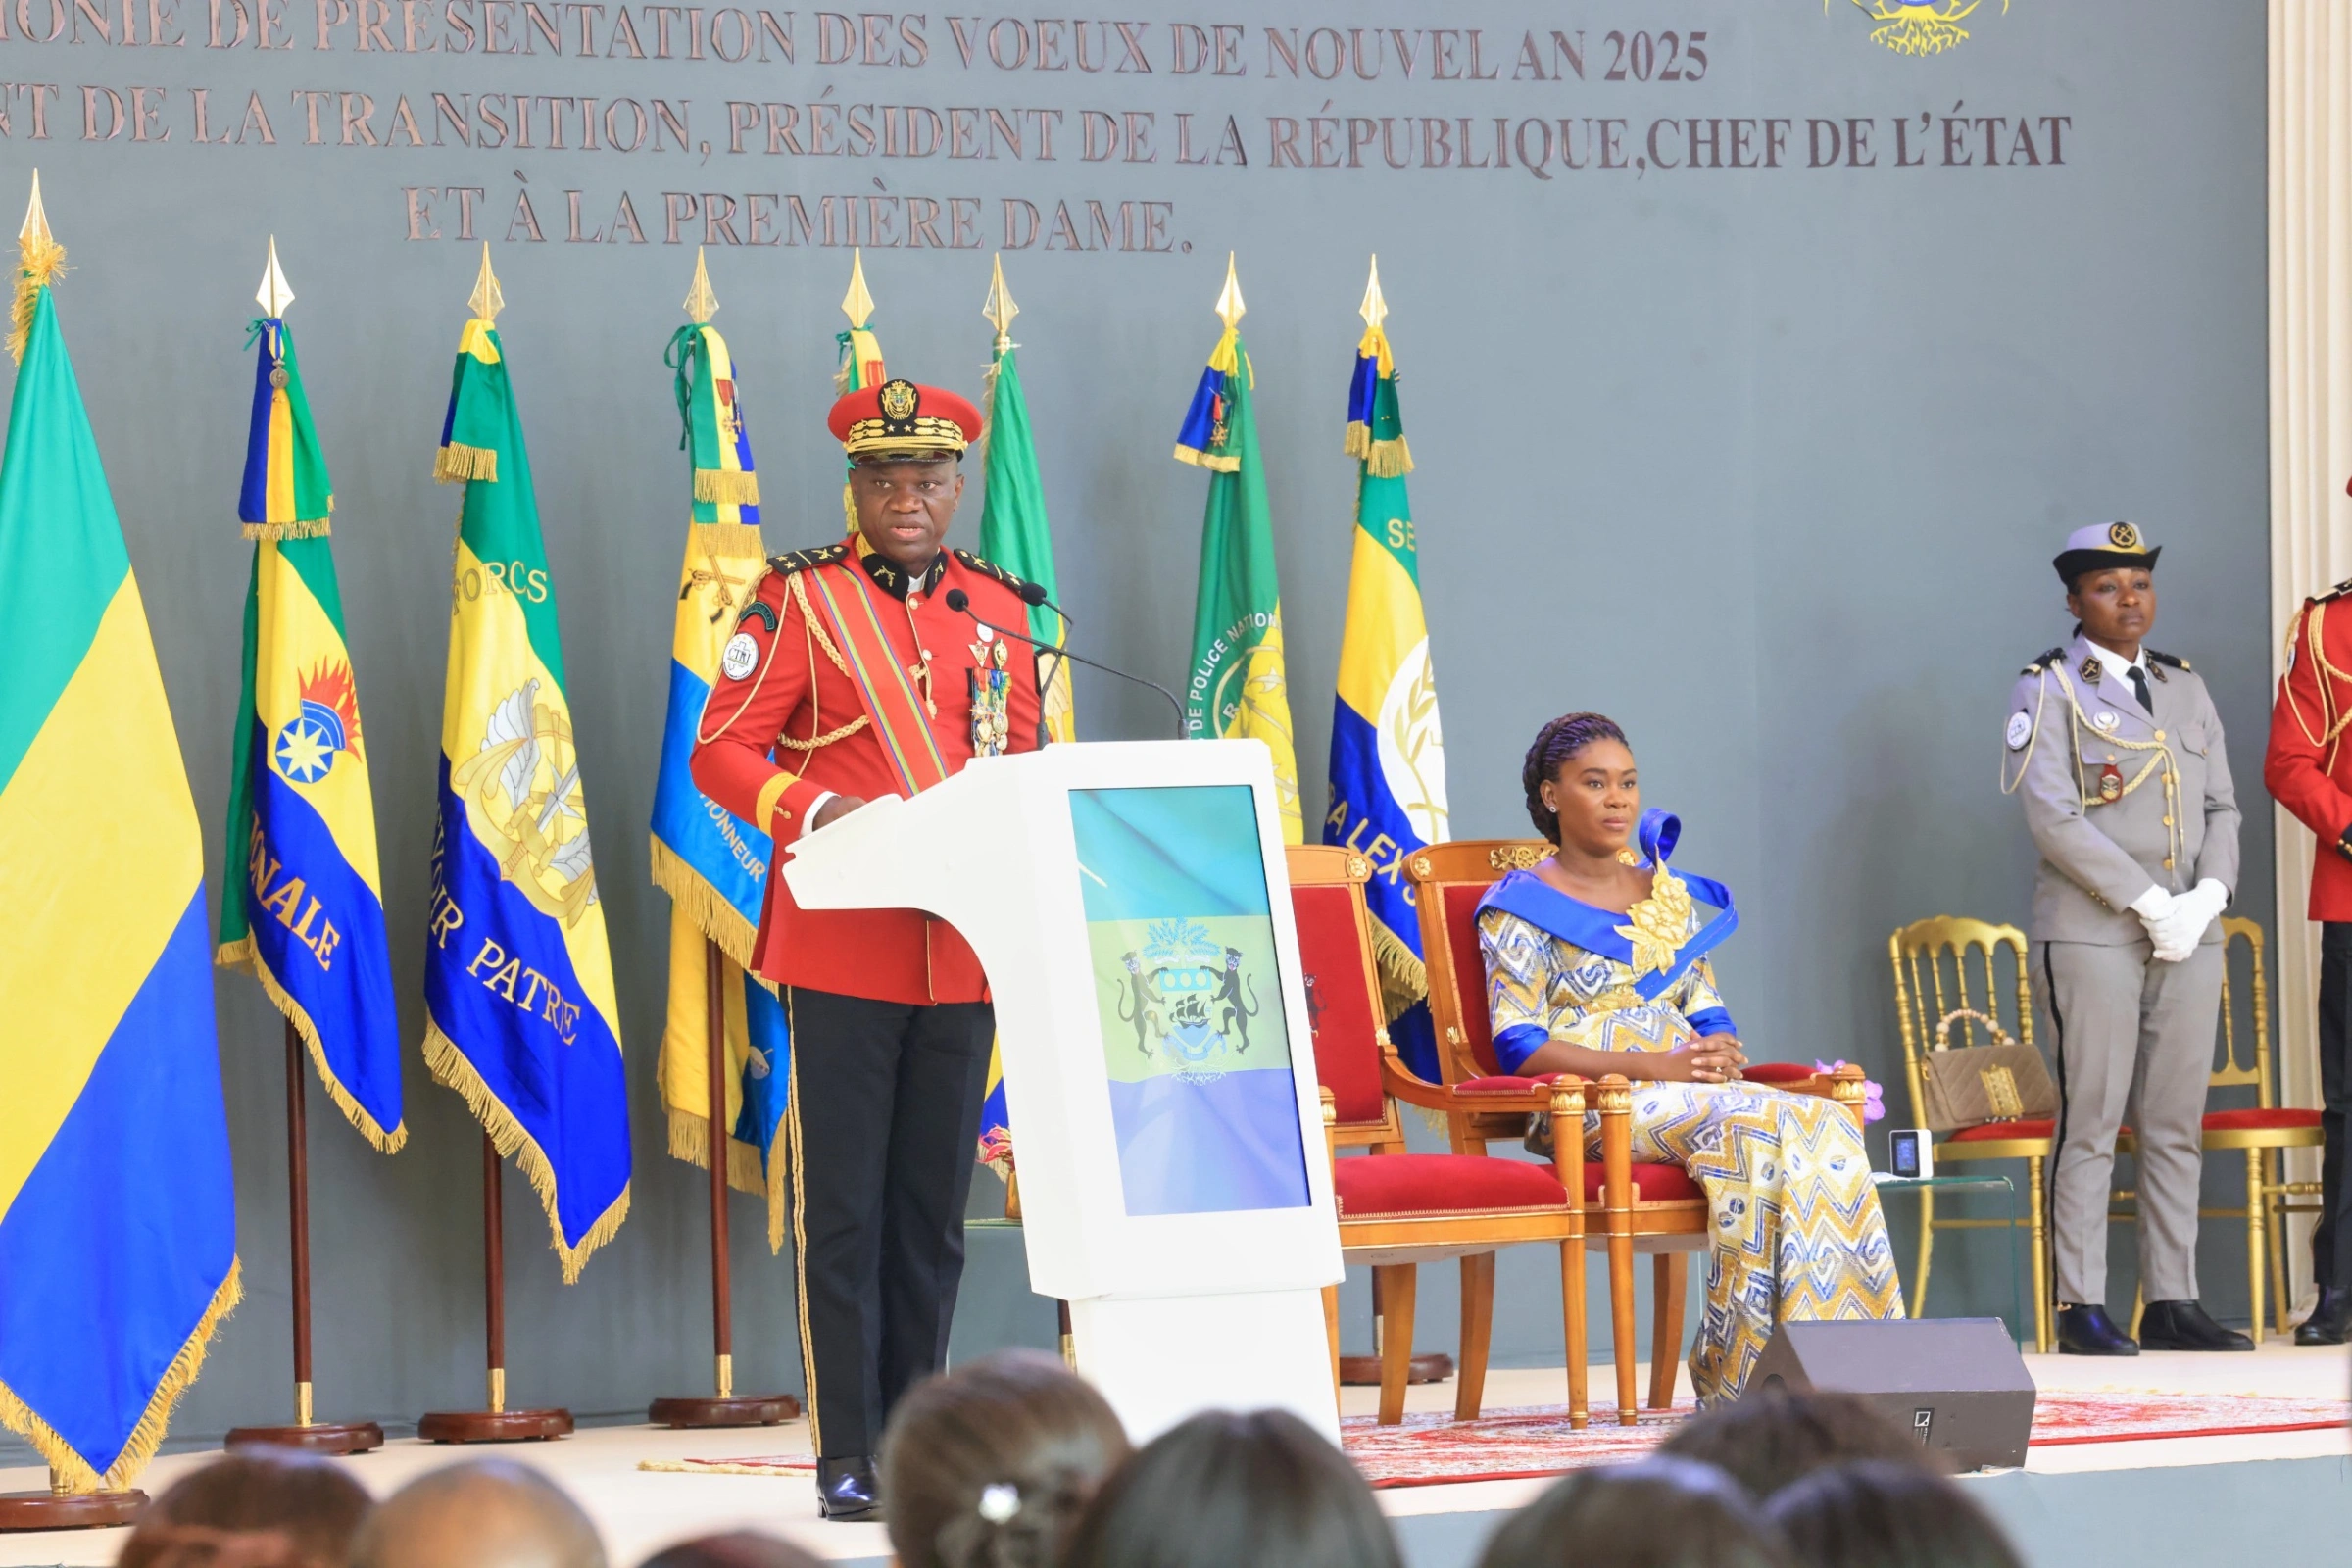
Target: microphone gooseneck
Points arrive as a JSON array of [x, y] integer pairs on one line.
[[957, 600]]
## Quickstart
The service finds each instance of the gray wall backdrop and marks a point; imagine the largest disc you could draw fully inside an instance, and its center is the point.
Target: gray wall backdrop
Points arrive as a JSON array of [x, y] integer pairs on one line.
[[1766, 461]]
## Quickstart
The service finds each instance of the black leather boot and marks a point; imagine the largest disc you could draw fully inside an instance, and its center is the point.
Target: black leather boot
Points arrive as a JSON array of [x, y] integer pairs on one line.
[[2184, 1326], [2330, 1322], [846, 1488], [2089, 1331]]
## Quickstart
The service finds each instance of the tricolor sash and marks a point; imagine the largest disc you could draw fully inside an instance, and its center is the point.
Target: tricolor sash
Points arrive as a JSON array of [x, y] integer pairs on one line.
[[1597, 930], [900, 719]]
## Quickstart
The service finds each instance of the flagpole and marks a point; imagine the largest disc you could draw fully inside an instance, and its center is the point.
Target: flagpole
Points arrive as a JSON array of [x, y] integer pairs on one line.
[[313, 1437], [496, 1424], [726, 1409]]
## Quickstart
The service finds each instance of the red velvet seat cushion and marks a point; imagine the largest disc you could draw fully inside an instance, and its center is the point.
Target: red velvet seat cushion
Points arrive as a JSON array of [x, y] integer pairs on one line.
[[2278, 1118], [1776, 1072], [1503, 1083], [1375, 1185], [1340, 1006], [1996, 1131], [1659, 1184]]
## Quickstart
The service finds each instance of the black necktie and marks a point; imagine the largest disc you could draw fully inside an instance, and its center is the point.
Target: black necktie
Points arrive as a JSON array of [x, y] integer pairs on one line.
[[2140, 688]]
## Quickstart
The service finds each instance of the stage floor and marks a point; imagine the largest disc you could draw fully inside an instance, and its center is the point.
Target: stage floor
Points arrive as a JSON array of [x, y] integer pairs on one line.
[[2081, 1506]]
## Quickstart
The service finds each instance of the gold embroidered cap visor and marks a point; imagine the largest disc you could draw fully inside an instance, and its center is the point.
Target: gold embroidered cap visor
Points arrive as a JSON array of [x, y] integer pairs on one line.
[[2101, 547], [899, 422]]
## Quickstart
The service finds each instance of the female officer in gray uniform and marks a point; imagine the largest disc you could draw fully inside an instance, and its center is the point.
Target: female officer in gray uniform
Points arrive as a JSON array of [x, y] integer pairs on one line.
[[2116, 751]]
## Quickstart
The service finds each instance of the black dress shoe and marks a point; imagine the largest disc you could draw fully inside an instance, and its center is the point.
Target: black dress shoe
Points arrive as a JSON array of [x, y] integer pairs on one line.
[[2330, 1322], [2184, 1326], [2089, 1331], [846, 1489]]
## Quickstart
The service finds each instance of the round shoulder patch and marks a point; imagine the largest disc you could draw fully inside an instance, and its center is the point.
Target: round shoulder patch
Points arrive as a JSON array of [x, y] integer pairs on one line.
[[740, 657], [2021, 729]]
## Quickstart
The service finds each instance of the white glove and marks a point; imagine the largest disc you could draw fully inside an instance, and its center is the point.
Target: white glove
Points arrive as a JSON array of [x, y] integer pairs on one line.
[[2176, 933], [2151, 906]]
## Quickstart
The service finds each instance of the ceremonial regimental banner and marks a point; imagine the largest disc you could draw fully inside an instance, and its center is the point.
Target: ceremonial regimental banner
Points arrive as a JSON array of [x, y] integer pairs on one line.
[[117, 1220], [307, 918], [519, 981], [713, 865], [1013, 534], [860, 357], [1237, 688], [1388, 756]]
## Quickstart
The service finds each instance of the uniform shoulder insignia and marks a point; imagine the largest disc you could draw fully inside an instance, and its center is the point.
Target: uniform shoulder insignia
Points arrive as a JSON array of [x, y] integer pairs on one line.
[[2169, 658], [2045, 660], [989, 569], [793, 561], [2336, 592], [758, 609]]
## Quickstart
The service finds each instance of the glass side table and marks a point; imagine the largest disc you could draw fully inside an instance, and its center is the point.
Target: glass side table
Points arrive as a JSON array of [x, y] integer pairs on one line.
[[1938, 1184]]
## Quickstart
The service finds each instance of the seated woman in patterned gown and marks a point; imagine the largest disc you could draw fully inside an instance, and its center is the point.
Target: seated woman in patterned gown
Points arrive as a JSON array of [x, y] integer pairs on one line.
[[1596, 963]]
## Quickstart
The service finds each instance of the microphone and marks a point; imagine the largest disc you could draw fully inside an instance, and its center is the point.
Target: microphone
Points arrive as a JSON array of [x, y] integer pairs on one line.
[[957, 600]]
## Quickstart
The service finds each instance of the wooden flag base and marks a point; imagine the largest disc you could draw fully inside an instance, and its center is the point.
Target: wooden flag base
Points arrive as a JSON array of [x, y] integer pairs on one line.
[[742, 1410], [69, 1510], [1363, 1371], [318, 1437], [493, 1426], [498, 1424], [725, 1407]]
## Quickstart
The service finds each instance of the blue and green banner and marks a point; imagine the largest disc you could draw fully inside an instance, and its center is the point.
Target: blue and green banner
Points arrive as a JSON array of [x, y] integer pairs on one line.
[[713, 865], [1188, 989], [306, 918], [520, 1017], [117, 1218], [1388, 753]]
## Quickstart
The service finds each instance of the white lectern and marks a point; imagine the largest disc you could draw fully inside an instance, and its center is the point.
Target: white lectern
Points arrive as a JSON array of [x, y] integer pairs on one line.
[[1130, 904]]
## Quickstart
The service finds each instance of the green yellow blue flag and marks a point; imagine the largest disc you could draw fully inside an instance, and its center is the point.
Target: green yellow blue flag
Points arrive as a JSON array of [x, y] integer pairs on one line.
[[1237, 688], [1387, 756], [714, 865], [519, 1011], [307, 916], [118, 1219]]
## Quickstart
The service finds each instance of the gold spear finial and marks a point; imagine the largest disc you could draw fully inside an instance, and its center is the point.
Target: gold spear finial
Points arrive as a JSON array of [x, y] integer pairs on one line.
[[487, 300], [1000, 309], [40, 259], [36, 220], [857, 303], [700, 303], [275, 293], [1374, 310], [1230, 308]]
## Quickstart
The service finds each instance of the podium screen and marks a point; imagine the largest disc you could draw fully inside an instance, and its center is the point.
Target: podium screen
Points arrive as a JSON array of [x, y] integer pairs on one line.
[[1188, 987]]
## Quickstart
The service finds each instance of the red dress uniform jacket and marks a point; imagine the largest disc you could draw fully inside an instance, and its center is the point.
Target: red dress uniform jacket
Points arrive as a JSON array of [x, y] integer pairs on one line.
[[791, 701], [2306, 766]]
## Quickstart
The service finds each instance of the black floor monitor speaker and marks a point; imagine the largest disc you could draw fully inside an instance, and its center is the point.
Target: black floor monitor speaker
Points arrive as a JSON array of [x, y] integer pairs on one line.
[[1956, 1383]]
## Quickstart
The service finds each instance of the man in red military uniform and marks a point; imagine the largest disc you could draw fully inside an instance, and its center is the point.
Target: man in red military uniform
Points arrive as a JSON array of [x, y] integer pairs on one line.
[[849, 678], [2307, 770]]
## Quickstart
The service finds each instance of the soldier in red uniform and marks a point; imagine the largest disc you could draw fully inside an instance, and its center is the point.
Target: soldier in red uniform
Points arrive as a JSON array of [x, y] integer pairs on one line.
[[849, 678], [2308, 769]]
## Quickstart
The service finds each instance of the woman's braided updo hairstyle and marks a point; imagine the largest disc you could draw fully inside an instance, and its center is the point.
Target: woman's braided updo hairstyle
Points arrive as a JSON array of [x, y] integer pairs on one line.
[[1555, 743]]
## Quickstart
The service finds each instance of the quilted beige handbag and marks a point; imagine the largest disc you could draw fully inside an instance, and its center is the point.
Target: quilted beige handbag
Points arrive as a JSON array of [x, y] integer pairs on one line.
[[1974, 1085]]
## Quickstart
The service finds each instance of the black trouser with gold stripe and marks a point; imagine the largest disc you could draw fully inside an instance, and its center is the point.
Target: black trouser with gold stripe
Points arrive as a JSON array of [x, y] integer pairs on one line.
[[885, 1114]]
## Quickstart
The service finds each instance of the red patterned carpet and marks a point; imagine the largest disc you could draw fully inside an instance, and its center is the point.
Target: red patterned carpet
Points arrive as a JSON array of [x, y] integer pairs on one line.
[[1508, 1444]]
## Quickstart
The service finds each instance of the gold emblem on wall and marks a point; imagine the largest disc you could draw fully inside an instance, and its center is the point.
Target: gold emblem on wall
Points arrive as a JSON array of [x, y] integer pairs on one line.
[[1918, 27]]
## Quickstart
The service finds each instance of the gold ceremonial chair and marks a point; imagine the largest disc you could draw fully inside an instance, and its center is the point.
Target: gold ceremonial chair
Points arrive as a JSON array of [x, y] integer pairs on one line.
[[1642, 1207], [1941, 964], [1398, 1210]]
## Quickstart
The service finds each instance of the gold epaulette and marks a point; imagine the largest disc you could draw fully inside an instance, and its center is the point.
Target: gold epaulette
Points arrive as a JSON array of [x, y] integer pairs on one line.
[[793, 561], [2168, 658], [989, 568], [2041, 662]]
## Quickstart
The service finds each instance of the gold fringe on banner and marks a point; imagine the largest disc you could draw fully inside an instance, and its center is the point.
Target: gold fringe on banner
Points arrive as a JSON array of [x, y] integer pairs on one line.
[[690, 1141], [728, 539], [713, 915], [1383, 459], [456, 463], [450, 1068], [306, 528], [42, 258], [148, 1434], [1403, 978], [1230, 463], [244, 955], [728, 487]]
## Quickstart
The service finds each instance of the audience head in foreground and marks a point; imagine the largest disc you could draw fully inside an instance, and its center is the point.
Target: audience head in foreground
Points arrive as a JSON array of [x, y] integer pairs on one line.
[[478, 1513], [1660, 1512], [740, 1548], [991, 1465], [1776, 1436], [255, 1509], [1226, 1491], [1875, 1513]]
